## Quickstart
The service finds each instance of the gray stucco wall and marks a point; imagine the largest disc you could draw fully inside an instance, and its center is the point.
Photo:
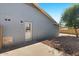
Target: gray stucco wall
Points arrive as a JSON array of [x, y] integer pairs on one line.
[[41, 26]]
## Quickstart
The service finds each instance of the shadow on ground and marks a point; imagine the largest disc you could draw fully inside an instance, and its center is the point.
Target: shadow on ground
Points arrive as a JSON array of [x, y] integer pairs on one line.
[[19, 45]]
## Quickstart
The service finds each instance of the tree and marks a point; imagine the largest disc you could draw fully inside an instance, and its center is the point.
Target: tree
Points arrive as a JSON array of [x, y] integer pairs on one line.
[[70, 18]]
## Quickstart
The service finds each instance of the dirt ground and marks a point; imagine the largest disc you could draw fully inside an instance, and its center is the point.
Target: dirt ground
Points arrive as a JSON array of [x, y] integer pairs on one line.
[[67, 43]]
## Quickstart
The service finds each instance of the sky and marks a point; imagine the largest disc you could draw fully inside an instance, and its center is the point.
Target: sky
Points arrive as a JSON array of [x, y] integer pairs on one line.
[[55, 9]]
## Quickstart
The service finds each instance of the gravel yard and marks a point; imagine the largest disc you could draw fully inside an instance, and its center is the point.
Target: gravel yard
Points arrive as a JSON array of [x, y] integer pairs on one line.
[[69, 44]]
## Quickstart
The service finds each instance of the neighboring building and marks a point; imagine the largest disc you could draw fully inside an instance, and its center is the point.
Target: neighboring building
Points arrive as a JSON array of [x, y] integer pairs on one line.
[[25, 22]]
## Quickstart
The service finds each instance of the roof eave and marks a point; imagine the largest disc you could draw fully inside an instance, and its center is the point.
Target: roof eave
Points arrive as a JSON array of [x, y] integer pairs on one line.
[[45, 13]]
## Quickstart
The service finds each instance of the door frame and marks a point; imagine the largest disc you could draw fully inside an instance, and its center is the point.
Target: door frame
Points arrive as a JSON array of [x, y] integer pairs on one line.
[[31, 29]]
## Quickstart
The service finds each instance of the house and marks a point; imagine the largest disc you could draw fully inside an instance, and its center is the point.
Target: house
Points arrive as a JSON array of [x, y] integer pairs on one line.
[[25, 22]]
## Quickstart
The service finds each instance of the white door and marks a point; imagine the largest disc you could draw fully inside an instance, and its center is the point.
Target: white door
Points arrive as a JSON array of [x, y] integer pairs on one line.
[[28, 31]]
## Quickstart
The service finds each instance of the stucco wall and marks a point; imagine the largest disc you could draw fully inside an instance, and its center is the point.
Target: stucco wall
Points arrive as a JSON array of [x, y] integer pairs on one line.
[[41, 25]]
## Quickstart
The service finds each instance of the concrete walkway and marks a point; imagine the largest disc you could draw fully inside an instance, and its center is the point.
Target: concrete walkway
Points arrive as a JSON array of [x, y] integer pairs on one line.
[[62, 34], [38, 49]]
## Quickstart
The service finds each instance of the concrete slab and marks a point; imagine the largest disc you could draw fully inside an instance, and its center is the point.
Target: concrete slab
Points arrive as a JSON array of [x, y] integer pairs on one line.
[[38, 49]]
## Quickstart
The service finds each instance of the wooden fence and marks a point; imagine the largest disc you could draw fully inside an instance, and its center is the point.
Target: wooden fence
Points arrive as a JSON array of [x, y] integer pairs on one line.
[[68, 30], [1, 36]]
